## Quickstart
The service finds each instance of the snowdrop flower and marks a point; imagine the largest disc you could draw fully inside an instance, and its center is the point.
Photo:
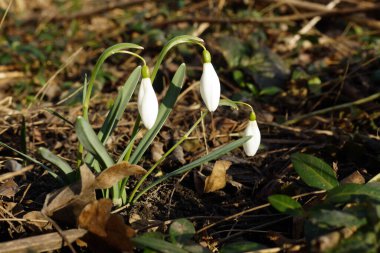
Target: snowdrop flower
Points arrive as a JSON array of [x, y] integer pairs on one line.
[[210, 85], [147, 100], [252, 145]]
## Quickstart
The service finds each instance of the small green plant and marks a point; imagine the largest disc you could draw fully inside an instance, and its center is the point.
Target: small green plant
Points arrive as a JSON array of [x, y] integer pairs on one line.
[[92, 151], [348, 218], [179, 240]]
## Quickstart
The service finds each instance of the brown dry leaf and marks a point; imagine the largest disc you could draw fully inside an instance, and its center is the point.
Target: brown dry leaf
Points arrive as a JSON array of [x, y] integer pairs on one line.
[[9, 188], [34, 225], [217, 179], [66, 204], [95, 215], [112, 175], [157, 151], [354, 178]]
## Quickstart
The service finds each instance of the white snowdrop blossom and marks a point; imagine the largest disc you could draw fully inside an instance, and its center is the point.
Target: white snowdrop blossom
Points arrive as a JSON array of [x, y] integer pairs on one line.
[[252, 145], [209, 84], [147, 102]]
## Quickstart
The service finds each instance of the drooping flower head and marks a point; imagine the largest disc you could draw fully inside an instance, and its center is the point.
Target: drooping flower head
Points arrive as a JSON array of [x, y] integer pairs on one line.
[[252, 145], [147, 100], [209, 84]]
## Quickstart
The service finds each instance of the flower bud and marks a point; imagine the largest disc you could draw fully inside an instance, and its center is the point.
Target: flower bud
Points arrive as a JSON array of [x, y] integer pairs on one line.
[[209, 84], [147, 100], [252, 145]]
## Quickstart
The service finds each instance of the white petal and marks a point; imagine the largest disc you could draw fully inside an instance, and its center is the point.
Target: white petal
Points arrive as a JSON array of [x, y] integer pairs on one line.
[[252, 145], [147, 103], [210, 87]]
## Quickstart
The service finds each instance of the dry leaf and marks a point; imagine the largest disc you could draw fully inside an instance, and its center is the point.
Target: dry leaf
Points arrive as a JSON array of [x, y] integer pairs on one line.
[[95, 215], [9, 188], [37, 226], [157, 151], [67, 203], [217, 179], [354, 178], [112, 175]]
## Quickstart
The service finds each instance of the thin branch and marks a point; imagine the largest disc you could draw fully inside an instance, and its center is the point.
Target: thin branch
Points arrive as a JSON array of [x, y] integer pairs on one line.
[[281, 19]]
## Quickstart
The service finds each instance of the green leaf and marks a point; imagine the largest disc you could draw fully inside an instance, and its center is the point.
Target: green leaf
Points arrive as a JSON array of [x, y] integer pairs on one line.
[[117, 109], [165, 109], [31, 159], [335, 218], [204, 159], [120, 105], [285, 204], [314, 172], [270, 91], [60, 163], [91, 143], [181, 230], [350, 192], [241, 247], [157, 244]]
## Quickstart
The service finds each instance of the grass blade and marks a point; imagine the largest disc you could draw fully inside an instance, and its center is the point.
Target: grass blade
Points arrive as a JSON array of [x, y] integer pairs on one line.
[[211, 156], [49, 156], [90, 141]]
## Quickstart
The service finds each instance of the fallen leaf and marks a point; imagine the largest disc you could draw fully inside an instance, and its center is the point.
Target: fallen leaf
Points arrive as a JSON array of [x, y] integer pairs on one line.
[[354, 178], [112, 175], [217, 179], [95, 215], [9, 188], [66, 204], [157, 151], [37, 226]]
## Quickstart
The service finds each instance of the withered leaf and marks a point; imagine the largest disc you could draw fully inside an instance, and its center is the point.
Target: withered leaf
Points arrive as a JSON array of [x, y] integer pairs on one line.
[[9, 188], [114, 174], [157, 151], [34, 225], [66, 204], [95, 215], [217, 179]]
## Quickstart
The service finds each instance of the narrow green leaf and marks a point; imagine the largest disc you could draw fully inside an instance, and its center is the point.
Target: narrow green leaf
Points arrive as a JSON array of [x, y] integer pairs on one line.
[[165, 108], [157, 244], [31, 159], [56, 114], [285, 204], [119, 105], [57, 161], [228, 102], [211, 156], [351, 192], [181, 230], [335, 218], [243, 246], [314, 172], [91, 143]]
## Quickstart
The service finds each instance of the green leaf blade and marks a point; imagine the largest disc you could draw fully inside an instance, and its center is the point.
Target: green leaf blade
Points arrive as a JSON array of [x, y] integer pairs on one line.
[[57, 161], [285, 204], [314, 171]]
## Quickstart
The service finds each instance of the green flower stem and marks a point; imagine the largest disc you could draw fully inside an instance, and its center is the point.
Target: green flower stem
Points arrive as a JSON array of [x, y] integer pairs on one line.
[[166, 155], [133, 54], [174, 42], [108, 52]]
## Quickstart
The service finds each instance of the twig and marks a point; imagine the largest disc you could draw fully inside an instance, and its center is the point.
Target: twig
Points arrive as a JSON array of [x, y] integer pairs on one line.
[[236, 215], [16, 173], [334, 108], [5, 13], [281, 19], [46, 242], [60, 232]]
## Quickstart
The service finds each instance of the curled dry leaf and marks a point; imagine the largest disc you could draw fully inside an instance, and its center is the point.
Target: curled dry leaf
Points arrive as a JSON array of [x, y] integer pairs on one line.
[[217, 179], [157, 151], [108, 232], [66, 204], [35, 225], [95, 215], [114, 174]]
